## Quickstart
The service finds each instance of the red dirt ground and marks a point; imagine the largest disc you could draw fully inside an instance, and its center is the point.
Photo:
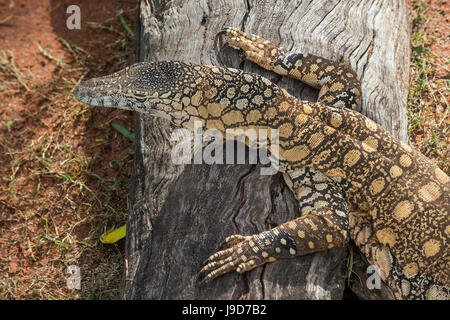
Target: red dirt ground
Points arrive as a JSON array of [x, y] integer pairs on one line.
[[64, 171], [430, 76], [62, 164]]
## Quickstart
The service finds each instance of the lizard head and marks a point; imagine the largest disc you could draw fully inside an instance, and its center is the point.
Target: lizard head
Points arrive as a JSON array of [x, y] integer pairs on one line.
[[181, 92], [143, 87]]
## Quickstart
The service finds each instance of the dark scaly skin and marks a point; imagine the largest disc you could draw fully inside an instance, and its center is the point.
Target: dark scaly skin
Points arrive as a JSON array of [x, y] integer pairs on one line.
[[351, 177]]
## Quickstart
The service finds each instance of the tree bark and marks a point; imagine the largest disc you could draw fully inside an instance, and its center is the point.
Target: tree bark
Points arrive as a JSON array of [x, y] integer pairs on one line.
[[180, 214]]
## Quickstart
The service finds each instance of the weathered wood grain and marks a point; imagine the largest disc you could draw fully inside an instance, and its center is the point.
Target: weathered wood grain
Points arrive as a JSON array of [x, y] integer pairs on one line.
[[180, 214]]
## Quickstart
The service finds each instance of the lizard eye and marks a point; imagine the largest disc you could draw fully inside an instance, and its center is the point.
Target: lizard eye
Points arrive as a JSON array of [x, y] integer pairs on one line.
[[141, 99]]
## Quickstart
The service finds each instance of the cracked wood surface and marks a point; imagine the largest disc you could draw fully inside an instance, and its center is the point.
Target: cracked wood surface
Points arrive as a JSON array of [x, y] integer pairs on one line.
[[179, 215]]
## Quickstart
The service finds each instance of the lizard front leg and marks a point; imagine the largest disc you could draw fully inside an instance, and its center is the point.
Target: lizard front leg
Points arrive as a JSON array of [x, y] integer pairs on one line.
[[339, 85], [324, 225], [316, 231]]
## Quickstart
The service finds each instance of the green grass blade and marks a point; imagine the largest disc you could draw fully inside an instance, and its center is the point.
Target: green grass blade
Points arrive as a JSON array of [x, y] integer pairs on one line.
[[124, 24], [123, 131]]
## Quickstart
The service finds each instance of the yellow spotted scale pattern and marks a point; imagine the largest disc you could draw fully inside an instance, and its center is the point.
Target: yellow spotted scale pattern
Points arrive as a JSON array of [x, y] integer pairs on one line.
[[353, 180]]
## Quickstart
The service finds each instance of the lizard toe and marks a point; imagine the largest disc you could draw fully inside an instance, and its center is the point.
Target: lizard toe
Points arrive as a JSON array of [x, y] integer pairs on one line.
[[222, 268], [233, 240]]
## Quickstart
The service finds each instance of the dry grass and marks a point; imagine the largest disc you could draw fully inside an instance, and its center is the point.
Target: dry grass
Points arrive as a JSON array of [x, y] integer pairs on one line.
[[428, 110], [66, 175]]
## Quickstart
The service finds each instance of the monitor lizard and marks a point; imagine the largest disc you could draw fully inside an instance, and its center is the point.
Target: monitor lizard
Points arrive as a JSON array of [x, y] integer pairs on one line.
[[353, 180]]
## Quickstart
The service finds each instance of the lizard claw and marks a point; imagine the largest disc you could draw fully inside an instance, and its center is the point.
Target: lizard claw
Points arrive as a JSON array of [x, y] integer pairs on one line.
[[219, 34], [245, 253], [231, 36]]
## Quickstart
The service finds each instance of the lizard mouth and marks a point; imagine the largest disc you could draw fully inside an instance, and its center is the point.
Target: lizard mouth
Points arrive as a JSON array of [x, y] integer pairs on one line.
[[94, 92], [97, 92], [100, 92]]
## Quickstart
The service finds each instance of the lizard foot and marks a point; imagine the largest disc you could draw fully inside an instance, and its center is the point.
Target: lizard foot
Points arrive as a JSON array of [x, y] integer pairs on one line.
[[248, 252], [255, 49], [244, 254]]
